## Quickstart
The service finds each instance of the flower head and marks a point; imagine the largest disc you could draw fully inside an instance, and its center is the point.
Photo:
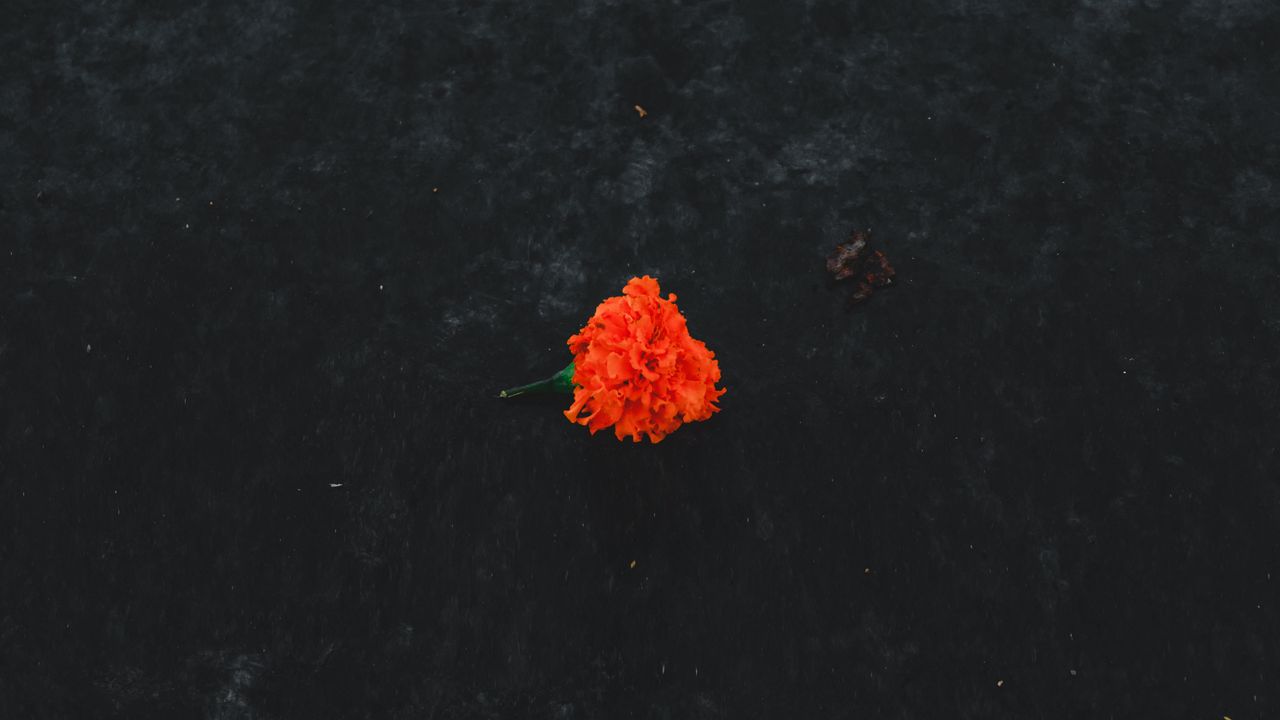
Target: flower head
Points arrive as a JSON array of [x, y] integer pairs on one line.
[[638, 369]]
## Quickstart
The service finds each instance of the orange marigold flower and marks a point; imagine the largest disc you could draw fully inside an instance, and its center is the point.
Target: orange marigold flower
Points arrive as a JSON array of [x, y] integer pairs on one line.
[[637, 368]]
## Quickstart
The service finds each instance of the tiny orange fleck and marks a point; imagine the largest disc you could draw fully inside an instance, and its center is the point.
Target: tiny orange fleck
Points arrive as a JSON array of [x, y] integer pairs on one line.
[[633, 564], [642, 111]]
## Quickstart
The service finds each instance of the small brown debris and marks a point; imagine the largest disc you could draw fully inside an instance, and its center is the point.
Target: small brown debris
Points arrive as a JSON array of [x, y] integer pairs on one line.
[[641, 110], [633, 564], [870, 270]]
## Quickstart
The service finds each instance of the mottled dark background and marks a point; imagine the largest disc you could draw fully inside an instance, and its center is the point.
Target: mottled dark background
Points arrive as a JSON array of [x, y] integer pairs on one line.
[[264, 266]]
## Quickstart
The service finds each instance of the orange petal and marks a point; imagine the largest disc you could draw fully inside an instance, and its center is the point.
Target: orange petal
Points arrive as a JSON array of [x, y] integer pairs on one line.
[[641, 286]]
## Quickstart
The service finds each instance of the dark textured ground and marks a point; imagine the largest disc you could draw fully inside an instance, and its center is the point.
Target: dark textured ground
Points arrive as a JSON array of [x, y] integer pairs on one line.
[[1036, 478]]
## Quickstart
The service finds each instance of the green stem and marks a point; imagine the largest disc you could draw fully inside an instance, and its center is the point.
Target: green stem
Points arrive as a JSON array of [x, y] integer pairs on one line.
[[561, 382]]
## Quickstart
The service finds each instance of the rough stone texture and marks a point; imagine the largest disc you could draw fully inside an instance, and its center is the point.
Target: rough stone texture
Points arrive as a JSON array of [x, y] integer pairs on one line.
[[264, 266]]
